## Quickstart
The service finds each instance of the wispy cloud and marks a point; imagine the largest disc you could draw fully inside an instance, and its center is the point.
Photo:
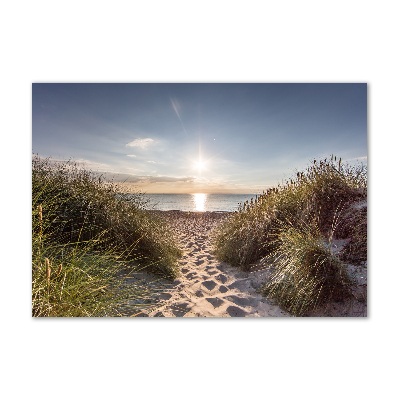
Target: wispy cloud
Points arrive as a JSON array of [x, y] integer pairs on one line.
[[152, 162], [158, 179], [141, 143], [146, 178], [132, 155]]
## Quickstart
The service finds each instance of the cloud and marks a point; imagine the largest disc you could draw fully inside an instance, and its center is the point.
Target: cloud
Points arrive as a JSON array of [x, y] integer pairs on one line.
[[129, 178], [152, 162], [158, 179], [141, 143], [131, 155]]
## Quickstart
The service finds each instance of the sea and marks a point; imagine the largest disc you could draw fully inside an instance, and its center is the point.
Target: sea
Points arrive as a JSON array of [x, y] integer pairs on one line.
[[196, 201]]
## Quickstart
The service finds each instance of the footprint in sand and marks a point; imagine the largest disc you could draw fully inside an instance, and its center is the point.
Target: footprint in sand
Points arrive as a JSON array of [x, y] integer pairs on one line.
[[222, 278], [165, 296], [215, 301], [185, 270], [210, 285], [240, 301], [180, 309], [159, 314], [223, 289], [242, 285], [234, 311]]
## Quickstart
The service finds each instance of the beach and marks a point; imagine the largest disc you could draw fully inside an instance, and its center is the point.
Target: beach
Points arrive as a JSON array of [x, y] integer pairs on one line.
[[210, 288], [207, 287]]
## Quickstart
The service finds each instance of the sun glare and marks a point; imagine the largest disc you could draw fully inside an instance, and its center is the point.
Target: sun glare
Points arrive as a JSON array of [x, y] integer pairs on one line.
[[199, 200], [199, 165]]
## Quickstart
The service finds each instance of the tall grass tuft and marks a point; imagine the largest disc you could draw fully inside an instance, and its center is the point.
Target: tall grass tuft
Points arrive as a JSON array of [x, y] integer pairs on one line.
[[75, 280], [307, 274], [88, 240]]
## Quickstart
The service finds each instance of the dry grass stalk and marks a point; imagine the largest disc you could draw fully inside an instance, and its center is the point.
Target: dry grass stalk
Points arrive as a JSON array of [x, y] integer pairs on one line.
[[40, 212], [59, 269], [48, 269]]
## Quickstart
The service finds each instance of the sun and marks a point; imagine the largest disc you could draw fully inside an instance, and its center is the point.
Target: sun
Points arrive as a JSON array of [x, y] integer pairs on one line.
[[200, 165]]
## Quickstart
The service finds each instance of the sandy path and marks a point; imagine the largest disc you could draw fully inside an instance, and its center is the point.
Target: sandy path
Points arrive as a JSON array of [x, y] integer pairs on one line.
[[207, 287]]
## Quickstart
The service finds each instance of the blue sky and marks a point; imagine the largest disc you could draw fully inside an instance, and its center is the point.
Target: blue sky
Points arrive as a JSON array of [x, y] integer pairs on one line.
[[173, 138]]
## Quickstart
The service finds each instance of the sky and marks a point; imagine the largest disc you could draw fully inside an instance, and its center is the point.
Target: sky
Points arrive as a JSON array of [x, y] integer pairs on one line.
[[188, 138]]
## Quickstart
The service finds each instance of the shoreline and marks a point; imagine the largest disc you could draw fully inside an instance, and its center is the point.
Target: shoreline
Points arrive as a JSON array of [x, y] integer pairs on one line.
[[176, 211], [194, 211], [184, 213]]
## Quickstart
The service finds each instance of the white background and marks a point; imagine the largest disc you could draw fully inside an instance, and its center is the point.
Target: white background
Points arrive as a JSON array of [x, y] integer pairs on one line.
[[207, 41]]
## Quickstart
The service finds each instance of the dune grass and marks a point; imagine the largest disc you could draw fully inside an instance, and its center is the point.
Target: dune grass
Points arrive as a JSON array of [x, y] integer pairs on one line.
[[355, 251], [70, 281], [321, 197], [307, 274], [87, 238]]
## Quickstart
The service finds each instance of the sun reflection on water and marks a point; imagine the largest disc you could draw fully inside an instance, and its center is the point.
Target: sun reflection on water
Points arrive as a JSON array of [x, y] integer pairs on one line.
[[199, 200]]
